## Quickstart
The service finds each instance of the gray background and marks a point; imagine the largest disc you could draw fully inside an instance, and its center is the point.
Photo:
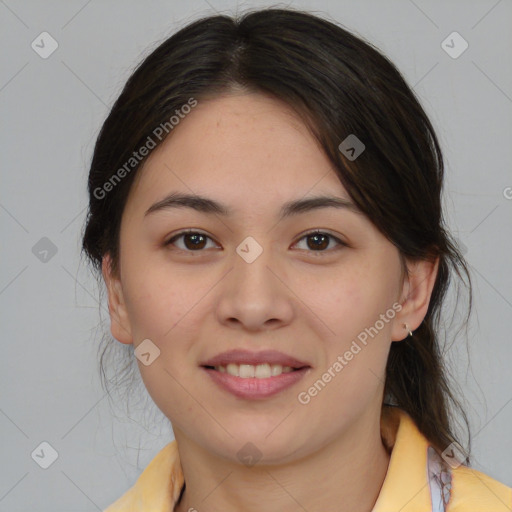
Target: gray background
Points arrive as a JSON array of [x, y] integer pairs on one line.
[[51, 111]]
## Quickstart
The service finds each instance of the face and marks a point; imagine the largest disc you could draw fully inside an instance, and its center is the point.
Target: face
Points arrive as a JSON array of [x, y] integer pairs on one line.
[[254, 280]]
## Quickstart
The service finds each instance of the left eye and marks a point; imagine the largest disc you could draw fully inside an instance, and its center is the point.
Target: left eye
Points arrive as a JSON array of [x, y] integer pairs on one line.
[[194, 241], [320, 240]]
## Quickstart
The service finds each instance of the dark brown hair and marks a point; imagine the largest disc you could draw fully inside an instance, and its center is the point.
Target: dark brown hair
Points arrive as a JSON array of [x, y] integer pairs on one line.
[[340, 85]]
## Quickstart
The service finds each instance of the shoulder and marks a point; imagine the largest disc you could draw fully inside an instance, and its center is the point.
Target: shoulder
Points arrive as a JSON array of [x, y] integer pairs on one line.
[[474, 491], [157, 488]]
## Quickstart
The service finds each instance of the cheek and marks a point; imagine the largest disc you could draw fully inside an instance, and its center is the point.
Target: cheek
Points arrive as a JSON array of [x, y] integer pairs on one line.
[[157, 299], [351, 301], [153, 311], [353, 371], [362, 293], [166, 310], [357, 307]]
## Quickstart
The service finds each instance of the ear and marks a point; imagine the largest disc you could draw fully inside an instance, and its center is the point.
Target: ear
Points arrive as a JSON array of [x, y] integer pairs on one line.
[[119, 322], [416, 292]]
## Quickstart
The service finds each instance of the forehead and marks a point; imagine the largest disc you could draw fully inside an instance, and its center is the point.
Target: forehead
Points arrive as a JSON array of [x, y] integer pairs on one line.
[[246, 148]]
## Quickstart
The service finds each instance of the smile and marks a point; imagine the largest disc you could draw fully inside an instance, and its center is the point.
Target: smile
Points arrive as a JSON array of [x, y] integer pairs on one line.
[[255, 382]]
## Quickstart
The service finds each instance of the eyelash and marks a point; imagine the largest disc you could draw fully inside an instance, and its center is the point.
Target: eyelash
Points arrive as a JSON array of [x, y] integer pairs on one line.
[[341, 244]]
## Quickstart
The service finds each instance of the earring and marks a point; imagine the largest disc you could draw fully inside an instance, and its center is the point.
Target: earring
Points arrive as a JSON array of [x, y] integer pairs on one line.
[[406, 327]]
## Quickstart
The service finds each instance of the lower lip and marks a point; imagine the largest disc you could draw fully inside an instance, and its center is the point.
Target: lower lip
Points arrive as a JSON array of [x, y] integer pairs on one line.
[[253, 388]]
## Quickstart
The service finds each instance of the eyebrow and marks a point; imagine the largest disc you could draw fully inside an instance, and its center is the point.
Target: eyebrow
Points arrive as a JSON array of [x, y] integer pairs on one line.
[[209, 206]]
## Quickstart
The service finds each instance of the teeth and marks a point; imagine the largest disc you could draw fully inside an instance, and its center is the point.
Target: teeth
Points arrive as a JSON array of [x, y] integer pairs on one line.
[[260, 371]]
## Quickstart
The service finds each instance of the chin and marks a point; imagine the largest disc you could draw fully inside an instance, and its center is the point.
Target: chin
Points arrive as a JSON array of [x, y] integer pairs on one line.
[[255, 445]]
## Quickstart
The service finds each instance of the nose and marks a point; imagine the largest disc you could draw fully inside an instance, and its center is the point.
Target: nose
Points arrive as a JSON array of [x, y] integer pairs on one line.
[[255, 295]]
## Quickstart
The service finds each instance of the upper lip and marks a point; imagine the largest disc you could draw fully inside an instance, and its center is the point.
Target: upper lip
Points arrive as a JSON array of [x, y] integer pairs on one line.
[[254, 358]]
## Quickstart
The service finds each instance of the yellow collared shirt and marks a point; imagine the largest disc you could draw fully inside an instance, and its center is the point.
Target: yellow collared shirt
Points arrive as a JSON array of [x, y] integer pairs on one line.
[[413, 482]]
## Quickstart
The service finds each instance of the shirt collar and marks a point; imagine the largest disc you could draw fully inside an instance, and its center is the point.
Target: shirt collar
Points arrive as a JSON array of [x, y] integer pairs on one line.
[[405, 487]]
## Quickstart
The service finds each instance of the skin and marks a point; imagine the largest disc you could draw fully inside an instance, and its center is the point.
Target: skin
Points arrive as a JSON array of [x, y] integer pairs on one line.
[[253, 153]]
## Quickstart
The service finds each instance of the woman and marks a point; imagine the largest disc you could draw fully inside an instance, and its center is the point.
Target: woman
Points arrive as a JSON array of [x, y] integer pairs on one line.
[[265, 210]]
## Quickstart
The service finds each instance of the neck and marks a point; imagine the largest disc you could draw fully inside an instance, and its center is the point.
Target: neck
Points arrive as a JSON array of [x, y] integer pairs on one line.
[[348, 471]]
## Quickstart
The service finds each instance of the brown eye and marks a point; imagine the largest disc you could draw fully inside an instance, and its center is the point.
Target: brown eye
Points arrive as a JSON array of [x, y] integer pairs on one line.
[[193, 241], [318, 241]]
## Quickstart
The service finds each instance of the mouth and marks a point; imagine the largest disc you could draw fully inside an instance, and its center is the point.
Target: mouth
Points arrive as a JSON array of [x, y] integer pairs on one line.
[[247, 364], [250, 371], [249, 382], [255, 375]]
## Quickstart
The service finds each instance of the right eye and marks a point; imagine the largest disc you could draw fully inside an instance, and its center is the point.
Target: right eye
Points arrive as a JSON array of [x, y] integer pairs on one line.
[[193, 241]]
